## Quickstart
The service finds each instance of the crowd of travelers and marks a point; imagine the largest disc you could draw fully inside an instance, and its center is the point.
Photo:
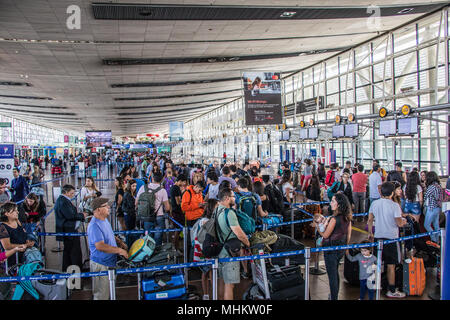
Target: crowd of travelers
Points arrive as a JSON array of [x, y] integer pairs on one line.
[[193, 194]]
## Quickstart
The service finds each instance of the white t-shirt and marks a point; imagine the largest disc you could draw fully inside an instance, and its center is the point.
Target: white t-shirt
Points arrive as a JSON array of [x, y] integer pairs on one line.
[[419, 190], [285, 186], [161, 196], [385, 211], [374, 182]]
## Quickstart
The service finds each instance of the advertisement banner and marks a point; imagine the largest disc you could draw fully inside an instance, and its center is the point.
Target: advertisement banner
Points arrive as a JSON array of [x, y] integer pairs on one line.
[[176, 130], [7, 162], [262, 95]]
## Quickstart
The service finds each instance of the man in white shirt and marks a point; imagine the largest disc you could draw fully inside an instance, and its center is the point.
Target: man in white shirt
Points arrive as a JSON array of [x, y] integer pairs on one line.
[[162, 200], [375, 184], [388, 217]]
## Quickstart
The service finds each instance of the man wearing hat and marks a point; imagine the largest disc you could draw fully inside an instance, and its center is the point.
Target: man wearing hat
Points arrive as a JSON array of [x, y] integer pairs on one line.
[[103, 247]]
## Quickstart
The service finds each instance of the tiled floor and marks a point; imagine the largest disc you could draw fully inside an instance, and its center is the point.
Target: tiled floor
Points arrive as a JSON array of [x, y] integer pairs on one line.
[[319, 288]]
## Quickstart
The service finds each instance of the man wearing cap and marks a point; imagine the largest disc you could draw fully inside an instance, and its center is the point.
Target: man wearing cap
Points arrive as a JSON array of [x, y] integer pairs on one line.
[[103, 247]]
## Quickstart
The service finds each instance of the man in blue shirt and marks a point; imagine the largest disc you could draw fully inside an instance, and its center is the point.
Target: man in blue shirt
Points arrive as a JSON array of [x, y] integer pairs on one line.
[[103, 247], [19, 186]]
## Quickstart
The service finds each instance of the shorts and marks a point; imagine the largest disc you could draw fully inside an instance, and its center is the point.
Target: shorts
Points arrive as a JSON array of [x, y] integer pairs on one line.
[[229, 271], [205, 269], [391, 252]]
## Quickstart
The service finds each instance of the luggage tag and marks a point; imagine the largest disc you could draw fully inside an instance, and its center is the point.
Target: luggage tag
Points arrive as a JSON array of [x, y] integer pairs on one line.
[[161, 283]]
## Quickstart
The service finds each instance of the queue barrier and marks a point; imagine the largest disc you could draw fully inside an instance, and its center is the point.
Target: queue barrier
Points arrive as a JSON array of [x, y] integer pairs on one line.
[[214, 263]]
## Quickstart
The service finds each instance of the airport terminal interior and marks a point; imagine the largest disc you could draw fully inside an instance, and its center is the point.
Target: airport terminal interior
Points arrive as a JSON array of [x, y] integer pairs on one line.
[[293, 125]]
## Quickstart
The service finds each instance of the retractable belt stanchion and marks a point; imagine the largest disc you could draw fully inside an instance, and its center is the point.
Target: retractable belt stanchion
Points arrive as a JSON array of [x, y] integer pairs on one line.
[[185, 246], [215, 268], [292, 219], [445, 257], [112, 283], [379, 262], [307, 258], [139, 277]]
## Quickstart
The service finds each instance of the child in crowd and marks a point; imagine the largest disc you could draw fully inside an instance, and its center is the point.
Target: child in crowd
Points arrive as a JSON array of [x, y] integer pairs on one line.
[[322, 223], [366, 262]]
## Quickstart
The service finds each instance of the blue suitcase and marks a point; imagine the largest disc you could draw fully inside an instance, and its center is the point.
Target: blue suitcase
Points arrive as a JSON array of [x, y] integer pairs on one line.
[[164, 285], [271, 219]]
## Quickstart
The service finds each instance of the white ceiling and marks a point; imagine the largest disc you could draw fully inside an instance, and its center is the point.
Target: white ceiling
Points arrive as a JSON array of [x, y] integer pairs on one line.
[[74, 76]]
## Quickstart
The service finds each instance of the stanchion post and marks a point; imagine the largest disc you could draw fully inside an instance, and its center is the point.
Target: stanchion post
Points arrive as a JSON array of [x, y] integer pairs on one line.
[[185, 247], [307, 260], [139, 285], [379, 262], [112, 283], [215, 268], [292, 219]]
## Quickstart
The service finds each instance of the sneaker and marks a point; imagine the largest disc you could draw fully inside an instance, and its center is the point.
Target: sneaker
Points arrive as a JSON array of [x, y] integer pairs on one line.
[[396, 294], [206, 297], [245, 275]]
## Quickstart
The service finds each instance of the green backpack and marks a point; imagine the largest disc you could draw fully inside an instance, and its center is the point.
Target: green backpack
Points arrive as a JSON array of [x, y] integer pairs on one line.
[[146, 205]]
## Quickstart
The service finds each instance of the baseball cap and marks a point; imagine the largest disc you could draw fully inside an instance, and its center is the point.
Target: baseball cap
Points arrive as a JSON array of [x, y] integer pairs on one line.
[[98, 202]]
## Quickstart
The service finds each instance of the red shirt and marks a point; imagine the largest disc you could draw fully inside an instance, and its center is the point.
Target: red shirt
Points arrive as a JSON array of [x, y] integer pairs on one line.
[[359, 182]]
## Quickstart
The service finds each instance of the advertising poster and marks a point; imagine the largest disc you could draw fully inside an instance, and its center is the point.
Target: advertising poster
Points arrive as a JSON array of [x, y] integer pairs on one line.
[[176, 130], [7, 162], [96, 139], [262, 95]]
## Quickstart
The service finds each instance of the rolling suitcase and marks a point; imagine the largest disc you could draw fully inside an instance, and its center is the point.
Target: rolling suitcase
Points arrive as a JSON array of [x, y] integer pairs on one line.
[[50, 289], [351, 269], [164, 285], [285, 283], [414, 277], [286, 243]]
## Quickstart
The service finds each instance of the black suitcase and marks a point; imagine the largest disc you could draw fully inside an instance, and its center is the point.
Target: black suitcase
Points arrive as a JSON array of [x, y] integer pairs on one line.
[[286, 283], [283, 277], [286, 243], [298, 227], [351, 269]]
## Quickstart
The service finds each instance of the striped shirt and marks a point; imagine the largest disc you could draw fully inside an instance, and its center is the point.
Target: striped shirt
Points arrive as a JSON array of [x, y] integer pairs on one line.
[[433, 196]]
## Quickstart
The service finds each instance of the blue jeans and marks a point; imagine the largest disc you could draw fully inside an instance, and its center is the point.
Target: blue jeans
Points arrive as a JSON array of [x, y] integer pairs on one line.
[[159, 225], [363, 288], [411, 207], [332, 259], [432, 221]]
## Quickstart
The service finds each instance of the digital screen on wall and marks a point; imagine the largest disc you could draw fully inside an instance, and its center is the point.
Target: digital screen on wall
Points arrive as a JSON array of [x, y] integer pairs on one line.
[[265, 137], [408, 126], [95, 139], [313, 133], [351, 130], [338, 131], [388, 127], [303, 133], [286, 135]]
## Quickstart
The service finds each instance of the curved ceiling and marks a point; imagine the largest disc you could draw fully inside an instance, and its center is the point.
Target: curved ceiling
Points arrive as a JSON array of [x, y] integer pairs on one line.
[[137, 66]]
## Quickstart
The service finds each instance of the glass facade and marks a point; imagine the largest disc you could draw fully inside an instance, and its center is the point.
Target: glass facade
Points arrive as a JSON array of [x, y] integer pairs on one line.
[[409, 65], [29, 134]]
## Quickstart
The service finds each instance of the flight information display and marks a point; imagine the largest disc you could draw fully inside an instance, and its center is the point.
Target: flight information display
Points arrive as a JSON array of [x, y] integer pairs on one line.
[[388, 127], [338, 131], [408, 126]]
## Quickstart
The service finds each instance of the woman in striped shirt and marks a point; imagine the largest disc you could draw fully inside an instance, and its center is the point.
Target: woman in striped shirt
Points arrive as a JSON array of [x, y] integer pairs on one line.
[[432, 204]]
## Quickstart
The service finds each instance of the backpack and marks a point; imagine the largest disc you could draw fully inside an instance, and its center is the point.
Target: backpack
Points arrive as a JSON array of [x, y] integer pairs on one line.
[[396, 176], [276, 199], [211, 244], [142, 249], [263, 240], [329, 180], [168, 184], [146, 205], [330, 192], [246, 213]]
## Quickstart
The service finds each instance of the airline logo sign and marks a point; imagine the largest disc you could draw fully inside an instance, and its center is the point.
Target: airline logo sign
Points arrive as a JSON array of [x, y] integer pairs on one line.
[[6, 151]]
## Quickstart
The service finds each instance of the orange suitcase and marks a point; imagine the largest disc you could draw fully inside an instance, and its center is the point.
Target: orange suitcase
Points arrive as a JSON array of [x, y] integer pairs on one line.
[[414, 278]]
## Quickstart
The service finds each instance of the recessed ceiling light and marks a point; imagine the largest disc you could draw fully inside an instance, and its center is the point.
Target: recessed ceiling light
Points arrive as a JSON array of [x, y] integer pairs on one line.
[[145, 13], [288, 14], [406, 10]]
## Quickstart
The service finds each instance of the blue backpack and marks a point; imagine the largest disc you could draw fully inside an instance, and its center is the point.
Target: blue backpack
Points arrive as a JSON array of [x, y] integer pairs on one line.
[[246, 213], [246, 223], [330, 192]]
